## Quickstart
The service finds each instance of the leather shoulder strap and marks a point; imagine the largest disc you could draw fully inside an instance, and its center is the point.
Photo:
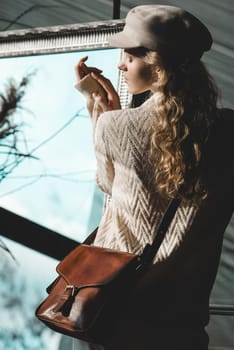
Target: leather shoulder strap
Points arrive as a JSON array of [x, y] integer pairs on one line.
[[150, 250], [90, 239]]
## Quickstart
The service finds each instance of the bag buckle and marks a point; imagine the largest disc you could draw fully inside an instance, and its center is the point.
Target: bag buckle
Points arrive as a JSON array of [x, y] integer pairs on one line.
[[73, 289], [65, 309]]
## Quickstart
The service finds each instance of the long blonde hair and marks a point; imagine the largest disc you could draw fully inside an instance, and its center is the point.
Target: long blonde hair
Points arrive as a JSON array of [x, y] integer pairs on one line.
[[186, 106]]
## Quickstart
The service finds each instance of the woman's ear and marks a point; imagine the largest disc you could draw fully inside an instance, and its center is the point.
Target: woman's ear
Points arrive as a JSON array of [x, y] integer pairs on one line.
[[157, 79], [158, 70], [156, 75]]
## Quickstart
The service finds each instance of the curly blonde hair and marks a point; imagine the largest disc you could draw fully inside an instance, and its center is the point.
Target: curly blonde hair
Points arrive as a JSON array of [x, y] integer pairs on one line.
[[186, 106]]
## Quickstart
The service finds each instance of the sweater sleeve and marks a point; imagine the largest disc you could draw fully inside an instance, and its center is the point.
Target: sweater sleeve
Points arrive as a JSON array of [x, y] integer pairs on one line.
[[105, 164], [105, 167], [87, 86]]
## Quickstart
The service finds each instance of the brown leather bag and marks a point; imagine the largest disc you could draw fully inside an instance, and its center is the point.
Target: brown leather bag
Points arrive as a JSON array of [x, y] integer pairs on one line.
[[93, 286]]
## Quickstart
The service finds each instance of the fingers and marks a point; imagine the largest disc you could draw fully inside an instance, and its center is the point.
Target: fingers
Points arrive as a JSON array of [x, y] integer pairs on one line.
[[112, 95], [83, 66], [101, 100], [94, 70], [104, 82], [82, 69]]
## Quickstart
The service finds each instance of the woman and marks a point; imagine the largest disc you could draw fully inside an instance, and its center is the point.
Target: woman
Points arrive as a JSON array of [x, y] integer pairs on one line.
[[175, 144]]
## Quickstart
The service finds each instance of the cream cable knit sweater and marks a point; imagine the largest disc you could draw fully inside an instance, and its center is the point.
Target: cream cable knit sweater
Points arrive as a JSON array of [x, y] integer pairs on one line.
[[121, 140]]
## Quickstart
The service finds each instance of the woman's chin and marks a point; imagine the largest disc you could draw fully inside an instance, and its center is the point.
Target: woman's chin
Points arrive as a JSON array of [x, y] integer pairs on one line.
[[133, 91]]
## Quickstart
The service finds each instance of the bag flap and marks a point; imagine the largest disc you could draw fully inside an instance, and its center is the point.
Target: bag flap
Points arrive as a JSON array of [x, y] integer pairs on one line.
[[93, 265]]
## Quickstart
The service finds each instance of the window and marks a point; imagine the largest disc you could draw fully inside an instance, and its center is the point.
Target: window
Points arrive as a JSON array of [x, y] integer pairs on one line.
[[55, 185]]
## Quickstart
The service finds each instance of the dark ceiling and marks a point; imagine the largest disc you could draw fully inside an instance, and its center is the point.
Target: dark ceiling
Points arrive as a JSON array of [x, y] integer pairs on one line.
[[18, 14], [216, 14]]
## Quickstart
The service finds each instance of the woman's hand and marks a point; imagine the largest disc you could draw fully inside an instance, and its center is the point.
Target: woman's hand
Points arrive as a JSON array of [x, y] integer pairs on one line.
[[111, 101], [81, 70]]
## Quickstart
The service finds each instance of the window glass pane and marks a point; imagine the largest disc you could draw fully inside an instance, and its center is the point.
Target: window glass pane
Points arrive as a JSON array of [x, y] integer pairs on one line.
[[220, 330], [55, 187], [22, 287], [223, 290]]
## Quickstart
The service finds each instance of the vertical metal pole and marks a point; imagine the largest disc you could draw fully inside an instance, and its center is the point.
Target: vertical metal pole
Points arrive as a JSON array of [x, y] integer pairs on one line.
[[116, 9]]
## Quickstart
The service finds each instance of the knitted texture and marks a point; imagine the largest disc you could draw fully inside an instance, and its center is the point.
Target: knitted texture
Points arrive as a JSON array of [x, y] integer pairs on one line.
[[124, 171]]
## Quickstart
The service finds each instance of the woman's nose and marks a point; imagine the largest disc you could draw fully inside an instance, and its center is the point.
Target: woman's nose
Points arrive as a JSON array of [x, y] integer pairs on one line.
[[122, 66]]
